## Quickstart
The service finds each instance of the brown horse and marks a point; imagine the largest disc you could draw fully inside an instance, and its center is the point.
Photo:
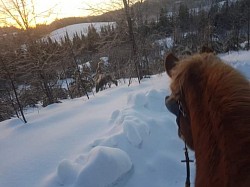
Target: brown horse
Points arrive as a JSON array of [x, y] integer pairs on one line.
[[103, 80], [212, 103]]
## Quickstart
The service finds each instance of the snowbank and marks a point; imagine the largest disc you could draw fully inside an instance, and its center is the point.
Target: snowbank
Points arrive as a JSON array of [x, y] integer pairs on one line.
[[103, 166], [239, 60]]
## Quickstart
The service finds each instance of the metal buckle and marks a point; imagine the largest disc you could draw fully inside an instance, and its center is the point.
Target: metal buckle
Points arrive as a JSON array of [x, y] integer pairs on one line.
[[181, 109]]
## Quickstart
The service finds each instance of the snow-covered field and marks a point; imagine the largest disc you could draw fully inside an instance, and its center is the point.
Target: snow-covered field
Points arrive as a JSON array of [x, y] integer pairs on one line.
[[81, 28], [122, 136]]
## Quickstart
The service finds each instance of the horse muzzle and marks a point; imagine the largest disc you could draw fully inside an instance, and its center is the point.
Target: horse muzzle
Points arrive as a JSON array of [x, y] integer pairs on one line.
[[172, 106]]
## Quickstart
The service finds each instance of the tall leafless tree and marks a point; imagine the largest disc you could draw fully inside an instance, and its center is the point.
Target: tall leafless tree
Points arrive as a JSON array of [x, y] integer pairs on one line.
[[134, 50], [21, 13], [9, 73]]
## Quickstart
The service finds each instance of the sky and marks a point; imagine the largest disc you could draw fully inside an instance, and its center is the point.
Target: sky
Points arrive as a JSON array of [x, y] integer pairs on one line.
[[71, 8], [46, 11]]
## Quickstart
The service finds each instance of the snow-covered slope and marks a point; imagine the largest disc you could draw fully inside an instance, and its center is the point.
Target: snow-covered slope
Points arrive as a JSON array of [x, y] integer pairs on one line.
[[81, 28], [239, 60], [122, 136]]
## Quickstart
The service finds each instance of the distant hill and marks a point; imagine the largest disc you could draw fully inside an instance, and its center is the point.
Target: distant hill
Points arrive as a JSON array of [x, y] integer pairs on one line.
[[150, 9], [80, 28], [60, 23]]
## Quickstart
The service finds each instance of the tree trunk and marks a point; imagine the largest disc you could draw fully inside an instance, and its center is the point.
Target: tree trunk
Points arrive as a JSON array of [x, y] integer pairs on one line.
[[18, 102], [12, 102], [132, 39], [70, 94], [14, 89], [79, 72], [248, 30], [47, 90]]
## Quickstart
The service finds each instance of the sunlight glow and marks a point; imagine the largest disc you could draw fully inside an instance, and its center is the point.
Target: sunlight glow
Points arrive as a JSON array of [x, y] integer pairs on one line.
[[70, 8], [46, 11]]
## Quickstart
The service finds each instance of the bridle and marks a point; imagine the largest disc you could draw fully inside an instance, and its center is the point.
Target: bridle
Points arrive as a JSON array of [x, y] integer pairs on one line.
[[178, 110], [181, 109]]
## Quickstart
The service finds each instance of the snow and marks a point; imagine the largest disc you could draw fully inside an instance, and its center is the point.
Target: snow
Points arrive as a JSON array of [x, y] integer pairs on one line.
[[81, 28], [86, 65], [105, 60], [63, 82], [166, 42], [240, 60], [122, 136], [108, 165]]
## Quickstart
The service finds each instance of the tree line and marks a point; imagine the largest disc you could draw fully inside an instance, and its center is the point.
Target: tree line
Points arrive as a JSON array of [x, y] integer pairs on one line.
[[223, 26]]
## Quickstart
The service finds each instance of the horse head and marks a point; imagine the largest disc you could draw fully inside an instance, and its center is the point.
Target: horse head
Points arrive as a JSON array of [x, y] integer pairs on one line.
[[176, 103], [211, 102]]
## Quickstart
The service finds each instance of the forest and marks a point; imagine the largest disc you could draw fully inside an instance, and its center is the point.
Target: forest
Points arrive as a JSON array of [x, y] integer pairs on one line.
[[33, 66]]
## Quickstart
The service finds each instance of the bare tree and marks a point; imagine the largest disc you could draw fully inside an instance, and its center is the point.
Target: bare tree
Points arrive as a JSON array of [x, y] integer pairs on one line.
[[21, 13], [9, 74], [103, 7], [134, 52], [128, 20], [18, 12], [248, 28], [40, 62]]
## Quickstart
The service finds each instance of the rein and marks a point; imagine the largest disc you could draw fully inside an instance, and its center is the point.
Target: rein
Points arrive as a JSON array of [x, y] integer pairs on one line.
[[187, 160], [178, 109]]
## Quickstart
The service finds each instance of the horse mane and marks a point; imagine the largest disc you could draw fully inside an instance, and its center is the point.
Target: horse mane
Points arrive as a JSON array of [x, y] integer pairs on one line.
[[218, 102]]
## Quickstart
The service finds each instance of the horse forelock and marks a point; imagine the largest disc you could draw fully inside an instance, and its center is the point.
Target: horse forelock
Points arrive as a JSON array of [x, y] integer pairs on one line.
[[218, 102]]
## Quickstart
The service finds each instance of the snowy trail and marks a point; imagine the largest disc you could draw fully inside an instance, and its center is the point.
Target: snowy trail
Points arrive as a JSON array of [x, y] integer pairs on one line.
[[59, 131], [38, 146], [142, 131], [40, 149]]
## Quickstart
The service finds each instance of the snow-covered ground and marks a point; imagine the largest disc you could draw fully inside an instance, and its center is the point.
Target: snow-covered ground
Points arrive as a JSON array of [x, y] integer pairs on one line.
[[239, 60], [122, 136], [81, 28]]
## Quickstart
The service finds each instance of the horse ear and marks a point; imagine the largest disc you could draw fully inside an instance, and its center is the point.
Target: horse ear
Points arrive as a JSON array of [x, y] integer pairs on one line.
[[170, 63]]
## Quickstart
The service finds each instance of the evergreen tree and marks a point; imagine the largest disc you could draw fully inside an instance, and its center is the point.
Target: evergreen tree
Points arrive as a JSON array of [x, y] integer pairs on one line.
[[92, 39], [183, 17]]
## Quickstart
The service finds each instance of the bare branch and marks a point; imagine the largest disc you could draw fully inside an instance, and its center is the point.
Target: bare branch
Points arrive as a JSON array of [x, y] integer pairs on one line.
[[21, 13]]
